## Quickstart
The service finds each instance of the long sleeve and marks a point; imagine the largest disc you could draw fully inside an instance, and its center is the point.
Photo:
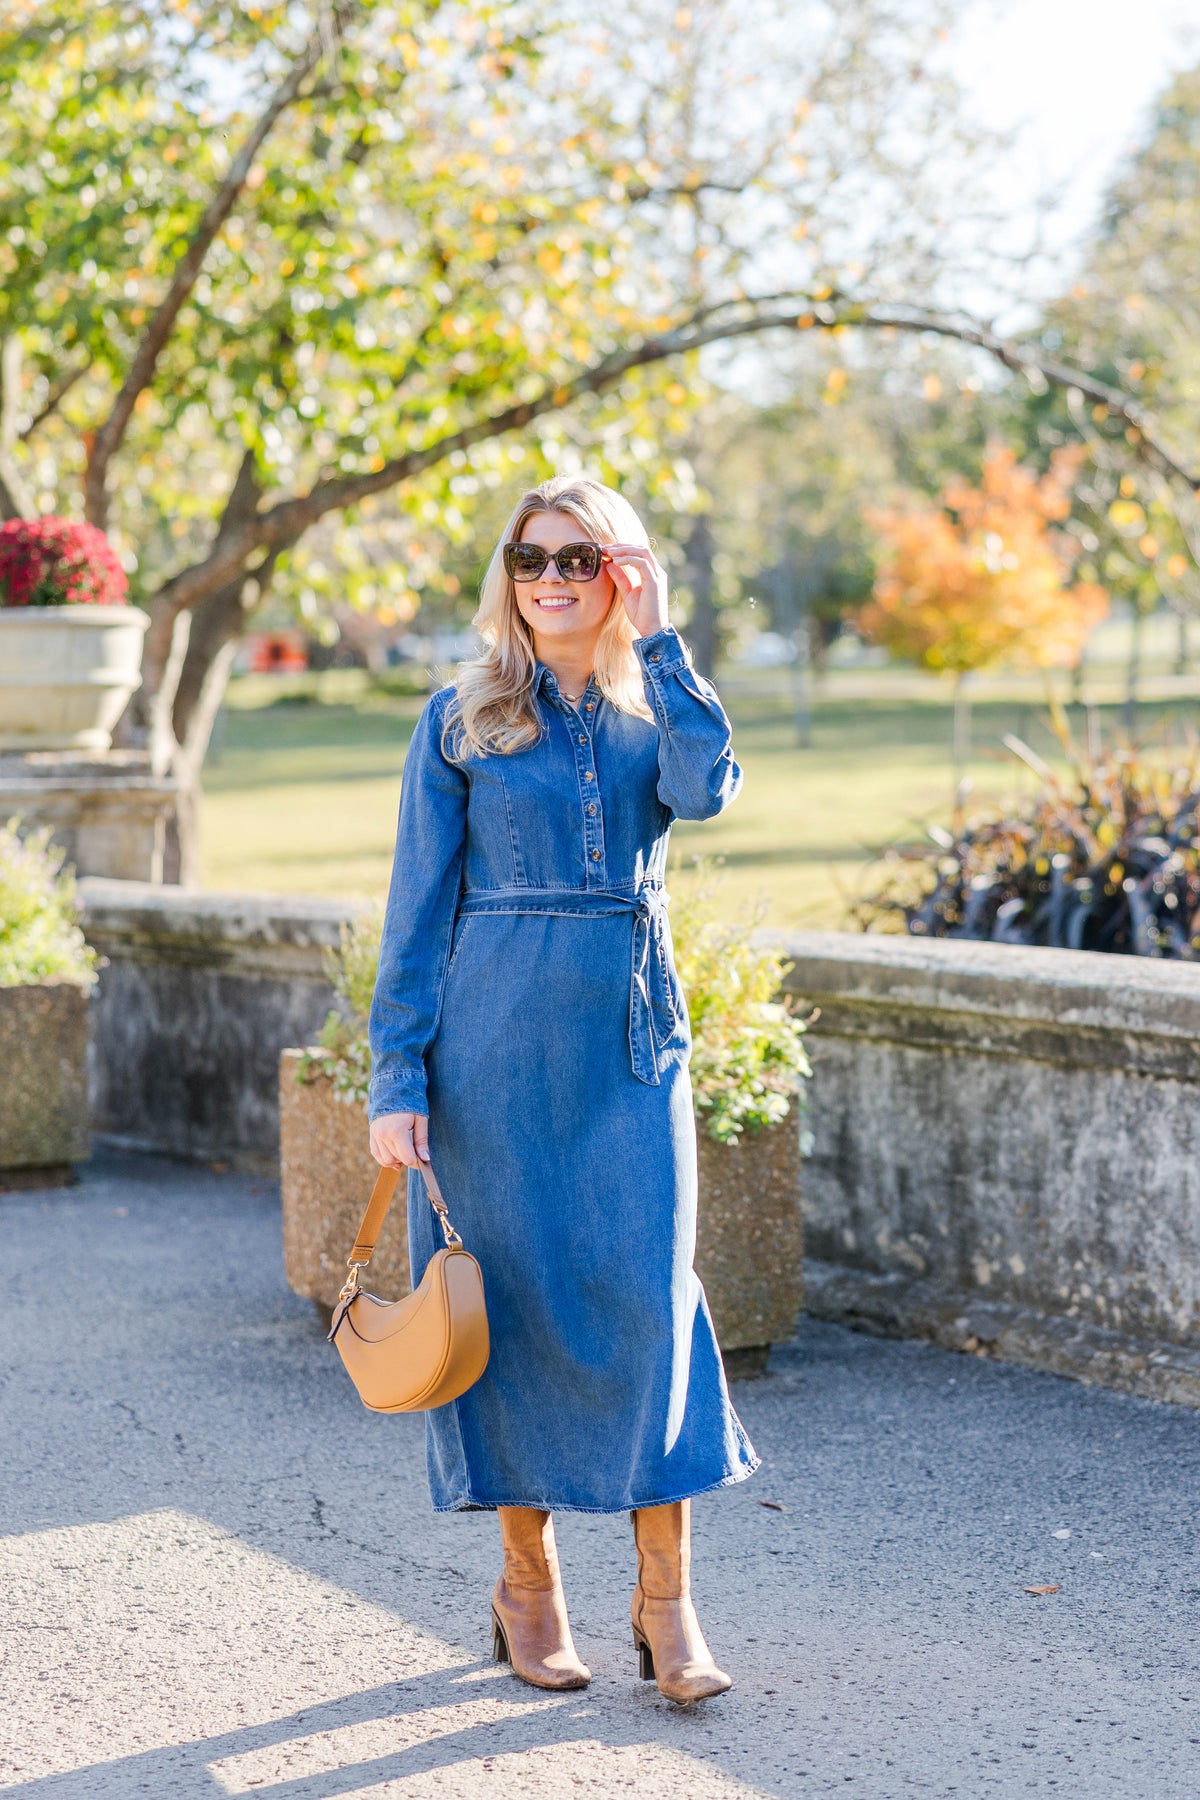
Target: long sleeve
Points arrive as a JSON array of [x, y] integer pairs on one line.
[[697, 774], [419, 920]]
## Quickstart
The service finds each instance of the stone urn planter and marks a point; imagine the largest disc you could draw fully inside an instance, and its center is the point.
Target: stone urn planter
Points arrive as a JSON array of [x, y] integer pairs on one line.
[[749, 1235], [43, 1092], [66, 674]]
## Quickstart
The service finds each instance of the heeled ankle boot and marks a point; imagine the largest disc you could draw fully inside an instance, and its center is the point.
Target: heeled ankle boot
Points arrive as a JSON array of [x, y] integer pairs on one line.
[[530, 1628], [666, 1631]]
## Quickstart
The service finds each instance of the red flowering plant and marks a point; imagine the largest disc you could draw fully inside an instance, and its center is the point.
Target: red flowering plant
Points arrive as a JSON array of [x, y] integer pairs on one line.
[[58, 562]]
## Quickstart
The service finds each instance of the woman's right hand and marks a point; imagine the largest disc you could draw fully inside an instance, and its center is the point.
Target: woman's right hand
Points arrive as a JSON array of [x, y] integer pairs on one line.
[[400, 1140]]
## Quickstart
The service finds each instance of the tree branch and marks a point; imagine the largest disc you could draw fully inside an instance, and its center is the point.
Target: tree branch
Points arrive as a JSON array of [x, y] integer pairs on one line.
[[54, 399], [16, 501], [283, 523], [157, 333]]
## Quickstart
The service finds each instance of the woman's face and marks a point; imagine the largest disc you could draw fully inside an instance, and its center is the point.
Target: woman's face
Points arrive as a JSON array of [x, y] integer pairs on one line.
[[566, 614]]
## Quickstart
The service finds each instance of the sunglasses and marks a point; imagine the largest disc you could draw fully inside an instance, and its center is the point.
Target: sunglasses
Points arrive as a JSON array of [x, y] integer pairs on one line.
[[574, 562]]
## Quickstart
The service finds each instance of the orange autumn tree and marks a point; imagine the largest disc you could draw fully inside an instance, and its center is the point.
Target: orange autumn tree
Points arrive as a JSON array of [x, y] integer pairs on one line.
[[982, 578]]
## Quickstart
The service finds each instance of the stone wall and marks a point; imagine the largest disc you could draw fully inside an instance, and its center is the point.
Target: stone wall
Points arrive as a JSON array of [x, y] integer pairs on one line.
[[200, 993], [1006, 1152], [1006, 1140]]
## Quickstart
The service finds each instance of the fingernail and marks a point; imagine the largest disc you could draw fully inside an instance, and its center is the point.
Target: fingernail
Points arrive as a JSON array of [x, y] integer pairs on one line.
[[423, 1154]]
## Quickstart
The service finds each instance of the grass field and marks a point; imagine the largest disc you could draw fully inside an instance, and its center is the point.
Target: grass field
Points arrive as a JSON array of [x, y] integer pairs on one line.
[[300, 794]]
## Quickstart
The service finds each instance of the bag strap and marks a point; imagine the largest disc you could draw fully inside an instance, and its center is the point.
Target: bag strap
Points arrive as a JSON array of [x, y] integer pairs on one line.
[[377, 1210]]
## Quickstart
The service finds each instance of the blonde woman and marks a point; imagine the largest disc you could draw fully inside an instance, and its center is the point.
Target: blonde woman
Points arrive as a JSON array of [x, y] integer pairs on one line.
[[529, 1031]]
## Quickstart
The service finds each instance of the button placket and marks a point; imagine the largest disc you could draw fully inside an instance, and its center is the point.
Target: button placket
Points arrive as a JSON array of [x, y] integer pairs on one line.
[[593, 818]]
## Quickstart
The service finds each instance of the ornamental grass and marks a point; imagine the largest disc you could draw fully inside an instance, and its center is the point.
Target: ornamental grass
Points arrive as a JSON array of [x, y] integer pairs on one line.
[[1104, 857]]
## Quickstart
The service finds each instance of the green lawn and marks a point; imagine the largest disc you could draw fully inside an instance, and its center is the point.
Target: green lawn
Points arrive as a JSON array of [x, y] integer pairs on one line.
[[301, 795]]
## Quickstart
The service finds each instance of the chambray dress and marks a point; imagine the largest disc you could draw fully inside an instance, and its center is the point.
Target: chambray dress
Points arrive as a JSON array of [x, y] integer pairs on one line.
[[527, 1000]]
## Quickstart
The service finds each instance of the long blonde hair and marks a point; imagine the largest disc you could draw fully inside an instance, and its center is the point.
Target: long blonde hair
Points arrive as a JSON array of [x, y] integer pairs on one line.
[[492, 709]]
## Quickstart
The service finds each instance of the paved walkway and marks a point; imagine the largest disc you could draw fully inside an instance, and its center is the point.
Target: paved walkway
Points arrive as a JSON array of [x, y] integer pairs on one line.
[[222, 1576]]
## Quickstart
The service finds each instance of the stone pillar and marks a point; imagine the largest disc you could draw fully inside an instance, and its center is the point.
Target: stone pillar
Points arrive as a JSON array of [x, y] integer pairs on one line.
[[104, 808]]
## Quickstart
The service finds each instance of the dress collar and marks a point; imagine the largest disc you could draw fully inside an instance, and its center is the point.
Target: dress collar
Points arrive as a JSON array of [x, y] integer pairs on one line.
[[543, 677]]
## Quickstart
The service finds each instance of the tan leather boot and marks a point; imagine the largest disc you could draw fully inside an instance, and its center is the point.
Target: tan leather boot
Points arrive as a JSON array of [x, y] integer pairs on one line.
[[530, 1628], [666, 1631]]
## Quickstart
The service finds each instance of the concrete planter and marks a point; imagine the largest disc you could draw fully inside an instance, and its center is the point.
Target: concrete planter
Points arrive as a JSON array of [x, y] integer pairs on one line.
[[749, 1239], [66, 674], [43, 1093], [326, 1173]]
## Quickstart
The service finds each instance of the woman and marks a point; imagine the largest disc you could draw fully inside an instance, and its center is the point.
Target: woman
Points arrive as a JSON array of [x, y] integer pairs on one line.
[[529, 1028]]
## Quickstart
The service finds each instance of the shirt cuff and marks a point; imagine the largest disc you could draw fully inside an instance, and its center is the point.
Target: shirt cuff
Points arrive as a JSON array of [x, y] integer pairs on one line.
[[400, 1097], [661, 652]]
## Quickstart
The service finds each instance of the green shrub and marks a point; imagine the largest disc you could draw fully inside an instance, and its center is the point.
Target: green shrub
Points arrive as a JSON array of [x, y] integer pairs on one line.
[[748, 1062], [341, 1051], [40, 939]]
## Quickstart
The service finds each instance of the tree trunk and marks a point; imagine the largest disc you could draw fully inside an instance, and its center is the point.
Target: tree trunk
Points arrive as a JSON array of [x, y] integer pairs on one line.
[[16, 500], [210, 642], [1133, 671], [1077, 674], [793, 617], [962, 730], [189, 655], [802, 680], [702, 627]]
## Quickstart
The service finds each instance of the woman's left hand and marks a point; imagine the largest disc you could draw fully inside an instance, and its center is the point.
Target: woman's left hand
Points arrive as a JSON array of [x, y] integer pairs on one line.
[[641, 581]]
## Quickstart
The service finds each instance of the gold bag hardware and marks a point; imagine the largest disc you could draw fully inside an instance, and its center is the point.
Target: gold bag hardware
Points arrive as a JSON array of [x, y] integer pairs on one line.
[[413, 1354]]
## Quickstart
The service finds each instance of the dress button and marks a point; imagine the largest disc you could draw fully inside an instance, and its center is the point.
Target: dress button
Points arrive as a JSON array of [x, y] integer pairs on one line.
[[590, 707], [583, 737], [595, 856], [655, 657], [591, 809], [590, 776]]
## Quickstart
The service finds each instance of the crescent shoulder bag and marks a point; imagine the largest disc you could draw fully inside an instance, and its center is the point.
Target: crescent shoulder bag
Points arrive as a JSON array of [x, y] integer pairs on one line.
[[420, 1352]]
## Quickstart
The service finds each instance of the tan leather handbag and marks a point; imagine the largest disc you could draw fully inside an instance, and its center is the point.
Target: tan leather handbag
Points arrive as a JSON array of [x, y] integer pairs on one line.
[[412, 1354]]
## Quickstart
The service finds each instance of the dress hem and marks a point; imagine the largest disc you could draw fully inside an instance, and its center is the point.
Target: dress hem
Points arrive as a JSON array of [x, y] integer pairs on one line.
[[468, 1503]]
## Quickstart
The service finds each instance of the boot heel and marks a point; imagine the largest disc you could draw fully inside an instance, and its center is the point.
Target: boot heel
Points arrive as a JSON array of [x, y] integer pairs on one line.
[[645, 1657], [499, 1642]]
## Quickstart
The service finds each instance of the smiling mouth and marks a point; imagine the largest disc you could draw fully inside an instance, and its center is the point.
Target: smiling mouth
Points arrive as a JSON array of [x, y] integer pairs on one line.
[[556, 602]]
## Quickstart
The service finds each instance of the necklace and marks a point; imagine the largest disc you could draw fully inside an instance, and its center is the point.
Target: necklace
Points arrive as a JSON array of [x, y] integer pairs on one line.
[[574, 697]]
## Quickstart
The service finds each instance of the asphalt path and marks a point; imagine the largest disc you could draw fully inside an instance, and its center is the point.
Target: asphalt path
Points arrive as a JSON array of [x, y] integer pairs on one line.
[[222, 1576]]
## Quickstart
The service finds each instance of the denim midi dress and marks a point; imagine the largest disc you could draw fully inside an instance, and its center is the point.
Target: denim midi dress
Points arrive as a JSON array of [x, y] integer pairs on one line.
[[528, 1002]]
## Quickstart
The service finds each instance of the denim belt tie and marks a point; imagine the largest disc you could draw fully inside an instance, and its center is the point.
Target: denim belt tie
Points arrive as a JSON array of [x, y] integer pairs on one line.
[[652, 1014]]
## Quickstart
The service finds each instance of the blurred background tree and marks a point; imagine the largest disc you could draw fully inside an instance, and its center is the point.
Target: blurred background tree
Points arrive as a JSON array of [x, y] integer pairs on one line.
[[983, 578]]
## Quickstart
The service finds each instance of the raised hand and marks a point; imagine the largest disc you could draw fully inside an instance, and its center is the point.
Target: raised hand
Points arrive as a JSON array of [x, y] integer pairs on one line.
[[641, 581]]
